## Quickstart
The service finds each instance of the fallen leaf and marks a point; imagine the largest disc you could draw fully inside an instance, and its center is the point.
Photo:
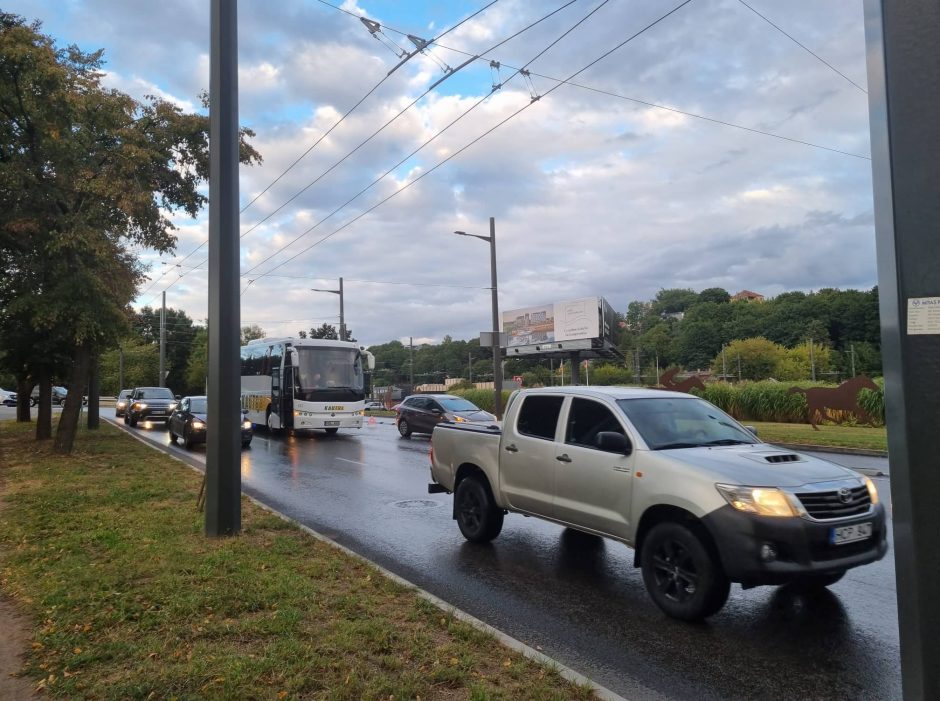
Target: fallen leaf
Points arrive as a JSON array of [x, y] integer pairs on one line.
[[281, 694], [77, 650], [507, 663]]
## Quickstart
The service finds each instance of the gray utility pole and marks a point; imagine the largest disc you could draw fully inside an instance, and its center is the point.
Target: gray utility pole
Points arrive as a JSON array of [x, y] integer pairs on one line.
[[904, 99], [812, 362], [223, 442], [496, 347], [342, 317], [163, 342], [852, 356], [411, 362], [724, 365]]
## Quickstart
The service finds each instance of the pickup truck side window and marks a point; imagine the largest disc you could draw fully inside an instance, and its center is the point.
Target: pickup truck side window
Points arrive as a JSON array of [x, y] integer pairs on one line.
[[538, 416], [586, 419]]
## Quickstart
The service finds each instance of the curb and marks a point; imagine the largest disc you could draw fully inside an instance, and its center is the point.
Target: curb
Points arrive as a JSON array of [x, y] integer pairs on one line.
[[566, 672]]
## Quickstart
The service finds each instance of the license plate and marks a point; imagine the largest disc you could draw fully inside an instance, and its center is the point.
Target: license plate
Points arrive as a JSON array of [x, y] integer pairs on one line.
[[849, 534], [331, 423]]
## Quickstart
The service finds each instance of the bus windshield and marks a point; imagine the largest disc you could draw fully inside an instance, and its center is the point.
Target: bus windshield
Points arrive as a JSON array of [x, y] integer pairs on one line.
[[328, 374]]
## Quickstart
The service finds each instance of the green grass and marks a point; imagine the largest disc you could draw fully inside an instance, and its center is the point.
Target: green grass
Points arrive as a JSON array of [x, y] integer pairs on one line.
[[862, 437], [105, 551]]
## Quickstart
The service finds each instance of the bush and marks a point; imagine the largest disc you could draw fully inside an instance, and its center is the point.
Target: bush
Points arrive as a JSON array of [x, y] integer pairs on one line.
[[483, 398]]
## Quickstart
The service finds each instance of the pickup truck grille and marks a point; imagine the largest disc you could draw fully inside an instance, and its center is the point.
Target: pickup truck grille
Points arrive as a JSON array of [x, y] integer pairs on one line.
[[836, 504]]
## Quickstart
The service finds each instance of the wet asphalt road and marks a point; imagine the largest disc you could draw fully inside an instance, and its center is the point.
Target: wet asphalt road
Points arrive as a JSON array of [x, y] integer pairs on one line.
[[575, 597]]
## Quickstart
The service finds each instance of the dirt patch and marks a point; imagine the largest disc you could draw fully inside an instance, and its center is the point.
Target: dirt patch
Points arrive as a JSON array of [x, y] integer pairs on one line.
[[13, 644]]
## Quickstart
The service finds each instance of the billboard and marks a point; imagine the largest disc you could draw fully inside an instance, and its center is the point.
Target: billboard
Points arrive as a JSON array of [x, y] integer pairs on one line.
[[573, 320]]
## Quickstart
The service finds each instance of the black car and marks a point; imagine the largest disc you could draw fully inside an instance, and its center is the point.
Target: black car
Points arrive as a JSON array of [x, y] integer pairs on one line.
[[149, 404], [420, 413], [123, 399], [188, 421]]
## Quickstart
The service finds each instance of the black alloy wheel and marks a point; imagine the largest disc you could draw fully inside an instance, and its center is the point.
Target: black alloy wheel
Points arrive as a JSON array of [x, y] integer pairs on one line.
[[133, 421], [403, 428], [478, 517], [681, 574]]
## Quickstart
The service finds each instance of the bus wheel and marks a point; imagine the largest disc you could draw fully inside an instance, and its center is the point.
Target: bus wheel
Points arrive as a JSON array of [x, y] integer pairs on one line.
[[269, 422]]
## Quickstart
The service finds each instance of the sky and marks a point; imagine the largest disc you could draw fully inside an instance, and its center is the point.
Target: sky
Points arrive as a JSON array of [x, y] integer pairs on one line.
[[713, 149]]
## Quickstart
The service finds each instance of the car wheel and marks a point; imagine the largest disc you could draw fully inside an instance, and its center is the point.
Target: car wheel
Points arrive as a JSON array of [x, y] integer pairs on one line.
[[133, 421], [681, 575], [815, 582], [246, 444], [127, 419], [403, 428], [331, 431], [478, 517], [187, 440]]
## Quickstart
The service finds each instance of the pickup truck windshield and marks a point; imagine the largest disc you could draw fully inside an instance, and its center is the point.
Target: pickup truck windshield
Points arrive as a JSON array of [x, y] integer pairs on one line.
[[672, 422]]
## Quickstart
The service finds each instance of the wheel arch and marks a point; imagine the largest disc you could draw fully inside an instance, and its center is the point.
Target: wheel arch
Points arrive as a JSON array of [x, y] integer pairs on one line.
[[469, 469], [668, 513]]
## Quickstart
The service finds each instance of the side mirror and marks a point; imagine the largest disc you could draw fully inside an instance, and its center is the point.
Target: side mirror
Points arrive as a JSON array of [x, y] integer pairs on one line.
[[752, 429], [437, 411], [613, 442]]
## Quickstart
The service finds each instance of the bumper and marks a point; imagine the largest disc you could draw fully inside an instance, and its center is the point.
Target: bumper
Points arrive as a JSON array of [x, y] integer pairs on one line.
[[302, 422], [152, 414], [801, 546], [198, 435]]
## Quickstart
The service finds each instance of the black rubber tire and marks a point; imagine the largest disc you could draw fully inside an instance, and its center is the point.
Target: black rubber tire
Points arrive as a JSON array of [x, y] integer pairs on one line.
[[681, 574], [127, 419], [404, 429], [133, 421], [246, 444], [816, 582], [172, 435], [187, 440], [478, 517], [331, 431]]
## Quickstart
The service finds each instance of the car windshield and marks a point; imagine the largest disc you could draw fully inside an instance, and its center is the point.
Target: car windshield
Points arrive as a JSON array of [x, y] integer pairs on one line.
[[155, 393], [125, 393], [677, 422], [197, 406], [458, 404]]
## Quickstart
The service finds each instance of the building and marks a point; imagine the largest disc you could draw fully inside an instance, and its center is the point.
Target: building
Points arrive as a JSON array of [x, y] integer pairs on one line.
[[747, 296]]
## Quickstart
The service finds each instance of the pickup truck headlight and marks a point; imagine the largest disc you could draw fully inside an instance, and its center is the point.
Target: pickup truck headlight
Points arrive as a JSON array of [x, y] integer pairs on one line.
[[762, 501], [872, 492], [138, 405]]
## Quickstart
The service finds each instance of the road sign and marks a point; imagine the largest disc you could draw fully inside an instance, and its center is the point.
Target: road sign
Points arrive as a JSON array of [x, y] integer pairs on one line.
[[517, 378]]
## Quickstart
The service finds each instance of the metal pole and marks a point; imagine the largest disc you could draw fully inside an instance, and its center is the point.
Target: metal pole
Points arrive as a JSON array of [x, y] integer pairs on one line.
[[904, 99], [852, 356], [223, 441], [411, 361], [342, 317], [739, 368], [812, 362], [162, 382], [724, 365], [470, 367], [551, 371], [497, 351]]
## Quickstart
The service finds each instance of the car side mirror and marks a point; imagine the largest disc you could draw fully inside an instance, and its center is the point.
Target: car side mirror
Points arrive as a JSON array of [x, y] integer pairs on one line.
[[752, 429], [436, 410], [613, 442]]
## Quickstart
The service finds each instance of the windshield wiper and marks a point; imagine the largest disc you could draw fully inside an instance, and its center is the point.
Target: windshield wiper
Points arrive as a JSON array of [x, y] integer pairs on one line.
[[728, 441], [670, 446]]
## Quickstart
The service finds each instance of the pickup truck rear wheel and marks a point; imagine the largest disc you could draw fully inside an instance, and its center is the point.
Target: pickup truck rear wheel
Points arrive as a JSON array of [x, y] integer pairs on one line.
[[478, 517], [681, 574]]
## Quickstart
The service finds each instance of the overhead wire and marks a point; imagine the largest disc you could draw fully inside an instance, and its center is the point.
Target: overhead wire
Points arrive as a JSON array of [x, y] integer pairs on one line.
[[803, 46], [439, 133], [474, 141], [329, 131]]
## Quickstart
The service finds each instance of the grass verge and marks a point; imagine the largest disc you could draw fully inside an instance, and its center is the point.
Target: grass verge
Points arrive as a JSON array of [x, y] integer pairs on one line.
[[105, 550], [858, 437]]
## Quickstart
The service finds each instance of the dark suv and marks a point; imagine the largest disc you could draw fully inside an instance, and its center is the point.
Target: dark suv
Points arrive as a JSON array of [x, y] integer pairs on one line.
[[149, 404], [420, 413]]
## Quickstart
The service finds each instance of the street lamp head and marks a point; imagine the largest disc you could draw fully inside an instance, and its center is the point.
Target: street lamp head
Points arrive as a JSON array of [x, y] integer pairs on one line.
[[315, 289]]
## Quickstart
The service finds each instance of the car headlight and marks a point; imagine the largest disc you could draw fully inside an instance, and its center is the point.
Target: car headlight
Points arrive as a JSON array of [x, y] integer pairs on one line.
[[171, 406], [121, 405], [459, 419], [198, 425], [246, 424], [139, 405], [872, 491], [762, 501]]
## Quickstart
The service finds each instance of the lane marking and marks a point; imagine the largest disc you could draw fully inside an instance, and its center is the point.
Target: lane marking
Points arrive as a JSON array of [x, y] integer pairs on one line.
[[354, 462]]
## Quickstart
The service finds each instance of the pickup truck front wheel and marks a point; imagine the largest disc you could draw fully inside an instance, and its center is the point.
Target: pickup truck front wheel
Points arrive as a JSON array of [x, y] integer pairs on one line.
[[681, 574], [478, 517]]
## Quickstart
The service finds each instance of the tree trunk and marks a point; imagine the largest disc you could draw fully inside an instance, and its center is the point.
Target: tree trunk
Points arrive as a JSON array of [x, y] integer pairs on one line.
[[24, 387], [94, 390], [68, 421], [44, 417]]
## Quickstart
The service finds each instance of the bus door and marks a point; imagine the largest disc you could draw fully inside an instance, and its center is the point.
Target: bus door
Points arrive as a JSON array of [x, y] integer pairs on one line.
[[287, 397]]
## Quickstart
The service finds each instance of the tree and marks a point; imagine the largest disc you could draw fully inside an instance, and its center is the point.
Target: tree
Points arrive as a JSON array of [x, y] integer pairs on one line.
[[252, 333], [718, 295], [87, 174], [180, 333], [327, 331], [197, 366], [758, 358]]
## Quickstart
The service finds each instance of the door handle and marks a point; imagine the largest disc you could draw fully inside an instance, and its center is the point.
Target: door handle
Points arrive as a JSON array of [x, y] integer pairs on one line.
[[563, 458], [511, 448]]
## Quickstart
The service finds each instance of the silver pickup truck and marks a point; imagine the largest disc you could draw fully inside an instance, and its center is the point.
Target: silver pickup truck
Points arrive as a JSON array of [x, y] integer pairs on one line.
[[701, 500]]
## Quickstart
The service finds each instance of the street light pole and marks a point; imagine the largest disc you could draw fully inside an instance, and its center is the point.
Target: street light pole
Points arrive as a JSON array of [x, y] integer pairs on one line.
[[497, 351], [342, 317]]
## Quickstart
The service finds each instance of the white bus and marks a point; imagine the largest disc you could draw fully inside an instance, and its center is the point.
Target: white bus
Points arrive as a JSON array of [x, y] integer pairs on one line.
[[304, 383]]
